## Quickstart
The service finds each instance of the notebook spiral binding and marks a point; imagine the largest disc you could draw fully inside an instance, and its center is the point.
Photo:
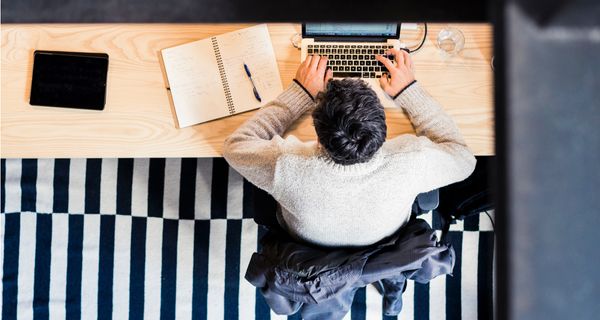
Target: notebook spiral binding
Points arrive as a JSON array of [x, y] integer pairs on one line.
[[223, 75]]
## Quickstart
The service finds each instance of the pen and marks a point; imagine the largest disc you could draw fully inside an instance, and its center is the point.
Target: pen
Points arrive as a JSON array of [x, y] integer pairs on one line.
[[256, 95]]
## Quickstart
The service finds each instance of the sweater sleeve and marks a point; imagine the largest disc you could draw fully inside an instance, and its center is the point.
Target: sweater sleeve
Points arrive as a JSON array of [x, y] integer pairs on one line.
[[253, 149], [443, 156]]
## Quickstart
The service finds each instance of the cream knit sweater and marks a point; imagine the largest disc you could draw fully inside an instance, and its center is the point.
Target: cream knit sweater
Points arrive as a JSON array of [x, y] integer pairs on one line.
[[328, 204]]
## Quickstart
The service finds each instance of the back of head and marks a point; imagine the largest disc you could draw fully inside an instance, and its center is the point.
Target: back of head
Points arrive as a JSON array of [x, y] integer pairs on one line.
[[349, 121]]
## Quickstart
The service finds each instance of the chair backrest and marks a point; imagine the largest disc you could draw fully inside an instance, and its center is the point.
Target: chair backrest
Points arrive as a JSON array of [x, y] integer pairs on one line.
[[263, 206], [470, 196]]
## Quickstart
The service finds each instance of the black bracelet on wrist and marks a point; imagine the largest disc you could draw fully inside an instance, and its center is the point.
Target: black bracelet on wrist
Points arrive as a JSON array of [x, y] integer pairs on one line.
[[303, 88], [410, 84]]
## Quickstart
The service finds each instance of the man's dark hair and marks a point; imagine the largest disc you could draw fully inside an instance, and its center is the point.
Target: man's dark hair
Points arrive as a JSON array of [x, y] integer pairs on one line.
[[350, 121]]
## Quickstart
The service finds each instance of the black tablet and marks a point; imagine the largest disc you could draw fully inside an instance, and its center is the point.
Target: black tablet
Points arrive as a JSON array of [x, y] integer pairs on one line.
[[69, 79]]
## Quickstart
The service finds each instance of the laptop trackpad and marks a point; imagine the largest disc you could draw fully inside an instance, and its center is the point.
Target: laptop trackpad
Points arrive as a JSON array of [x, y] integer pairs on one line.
[[385, 99]]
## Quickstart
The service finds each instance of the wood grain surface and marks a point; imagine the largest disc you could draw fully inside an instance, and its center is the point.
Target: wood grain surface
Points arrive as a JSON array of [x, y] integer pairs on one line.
[[138, 120]]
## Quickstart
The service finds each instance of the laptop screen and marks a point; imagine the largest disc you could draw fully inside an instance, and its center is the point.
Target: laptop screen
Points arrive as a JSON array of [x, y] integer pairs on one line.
[[380, 30]]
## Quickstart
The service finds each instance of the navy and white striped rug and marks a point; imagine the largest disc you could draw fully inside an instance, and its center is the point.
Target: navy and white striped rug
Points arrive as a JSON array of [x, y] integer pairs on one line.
[[171, 239]]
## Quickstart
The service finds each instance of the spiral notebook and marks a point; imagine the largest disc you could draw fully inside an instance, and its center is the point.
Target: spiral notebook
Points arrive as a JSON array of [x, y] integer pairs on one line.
[[207, 79]]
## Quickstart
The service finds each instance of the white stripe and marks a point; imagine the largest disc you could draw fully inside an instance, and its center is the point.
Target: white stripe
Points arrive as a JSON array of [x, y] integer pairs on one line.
[[373, 303], [26, 266], [216, 269], [437, 298], [275, 316], [235, 191], [12, 186], [438, 234], [468, 284], [108, 186], [427, 217], [121, 267], [248, 243], [58, 265], [89, 266], [185, 269], [171, 191], [44, 186], [139, 188], [408, 302], [484, 221], [458, 226], [203, 188], [77, 186], [152, 281]]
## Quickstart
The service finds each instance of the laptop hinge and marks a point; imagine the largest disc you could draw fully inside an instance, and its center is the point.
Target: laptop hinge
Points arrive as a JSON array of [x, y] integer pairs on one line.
[[350, 39]]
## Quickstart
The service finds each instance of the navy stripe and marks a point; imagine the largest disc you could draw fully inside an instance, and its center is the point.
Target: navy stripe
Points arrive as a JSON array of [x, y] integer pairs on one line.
[[2, 183], [218, 194], [169, 269], [105, 266], [10, 272], [41, 282], [61, 185], [359, 305], [261, 308], [28, 181], [485, 266], [137, 267], [92, 185], [436, 223], [421, 301], [384, 317], [453, 296], [247, 202], [156, 187], [295, 316], [471, 223], [200, 271], [124, 184], [187, 188], [74, 256], [232, 269]]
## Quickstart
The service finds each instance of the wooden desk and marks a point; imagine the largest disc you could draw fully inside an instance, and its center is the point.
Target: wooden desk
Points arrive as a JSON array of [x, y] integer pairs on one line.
[[138, 120]]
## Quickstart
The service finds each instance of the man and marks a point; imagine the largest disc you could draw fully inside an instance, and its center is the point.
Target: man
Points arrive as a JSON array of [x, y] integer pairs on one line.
[[351, 188]]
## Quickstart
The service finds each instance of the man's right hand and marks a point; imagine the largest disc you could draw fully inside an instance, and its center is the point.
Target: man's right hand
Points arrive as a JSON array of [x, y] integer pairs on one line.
[[313, 74], [400, 75]]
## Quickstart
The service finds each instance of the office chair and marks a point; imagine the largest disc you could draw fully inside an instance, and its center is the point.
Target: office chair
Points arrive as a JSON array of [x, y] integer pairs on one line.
[[391, 289]]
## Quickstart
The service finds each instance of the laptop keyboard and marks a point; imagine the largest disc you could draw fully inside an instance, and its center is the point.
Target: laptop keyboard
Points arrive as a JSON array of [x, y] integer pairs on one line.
[[351, 60]]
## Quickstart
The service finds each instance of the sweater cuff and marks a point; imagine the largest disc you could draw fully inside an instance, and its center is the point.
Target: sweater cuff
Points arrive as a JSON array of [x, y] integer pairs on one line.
[[413, 98], [296, 99], [303, 88], [408, 86]]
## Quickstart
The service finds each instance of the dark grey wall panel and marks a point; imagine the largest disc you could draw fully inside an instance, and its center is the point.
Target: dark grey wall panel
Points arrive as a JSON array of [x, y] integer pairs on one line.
[[552, 162], [240, 10]]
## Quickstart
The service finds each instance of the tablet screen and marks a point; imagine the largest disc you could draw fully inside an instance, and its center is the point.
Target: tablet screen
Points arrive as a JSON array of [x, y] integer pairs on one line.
[[69, 79]]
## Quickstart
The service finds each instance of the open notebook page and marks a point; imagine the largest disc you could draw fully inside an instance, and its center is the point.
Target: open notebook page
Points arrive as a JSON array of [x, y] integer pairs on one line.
[[195, 83], [253, 47]]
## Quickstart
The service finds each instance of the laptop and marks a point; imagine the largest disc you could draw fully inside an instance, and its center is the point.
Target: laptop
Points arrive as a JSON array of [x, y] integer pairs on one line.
[[351, 48]]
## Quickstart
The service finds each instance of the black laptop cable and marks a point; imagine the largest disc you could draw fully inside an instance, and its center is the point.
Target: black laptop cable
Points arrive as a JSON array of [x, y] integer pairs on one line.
[[422, 41]]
